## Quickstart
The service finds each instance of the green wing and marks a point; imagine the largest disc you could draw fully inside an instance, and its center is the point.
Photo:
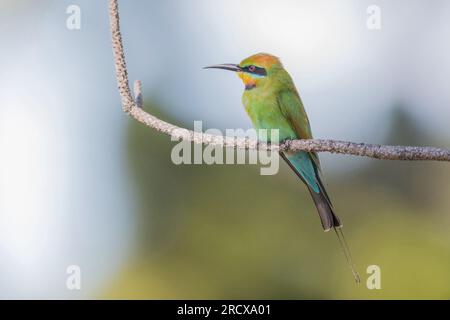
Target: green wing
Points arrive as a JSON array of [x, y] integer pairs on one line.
[[291, 107]]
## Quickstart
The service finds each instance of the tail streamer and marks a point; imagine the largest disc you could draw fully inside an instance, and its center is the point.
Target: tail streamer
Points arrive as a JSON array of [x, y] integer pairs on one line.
[[346, 250]]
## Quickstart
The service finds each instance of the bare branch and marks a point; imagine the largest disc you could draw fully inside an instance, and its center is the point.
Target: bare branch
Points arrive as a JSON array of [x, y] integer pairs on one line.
[[134, 108]]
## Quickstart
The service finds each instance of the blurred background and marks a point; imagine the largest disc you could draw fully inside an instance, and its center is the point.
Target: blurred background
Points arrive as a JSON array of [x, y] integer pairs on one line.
[[82, 184]]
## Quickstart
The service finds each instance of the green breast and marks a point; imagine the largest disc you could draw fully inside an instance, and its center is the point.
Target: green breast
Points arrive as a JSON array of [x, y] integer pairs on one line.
[[264, 112]]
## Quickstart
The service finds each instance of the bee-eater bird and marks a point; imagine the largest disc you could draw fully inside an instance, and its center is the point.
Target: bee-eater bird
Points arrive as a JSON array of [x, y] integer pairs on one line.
[[272, 102]]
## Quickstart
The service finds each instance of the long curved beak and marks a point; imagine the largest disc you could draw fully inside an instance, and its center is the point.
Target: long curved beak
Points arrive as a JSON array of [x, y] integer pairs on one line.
[[226, 66]]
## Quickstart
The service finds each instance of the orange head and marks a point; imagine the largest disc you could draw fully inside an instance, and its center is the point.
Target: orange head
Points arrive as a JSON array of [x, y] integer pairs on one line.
[[253, 70]]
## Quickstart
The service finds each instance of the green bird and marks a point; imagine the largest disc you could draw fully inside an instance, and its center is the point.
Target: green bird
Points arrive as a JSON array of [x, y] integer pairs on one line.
[[272, 102]]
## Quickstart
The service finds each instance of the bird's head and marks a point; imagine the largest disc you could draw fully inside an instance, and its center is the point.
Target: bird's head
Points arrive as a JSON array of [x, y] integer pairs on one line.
[[254, 70]]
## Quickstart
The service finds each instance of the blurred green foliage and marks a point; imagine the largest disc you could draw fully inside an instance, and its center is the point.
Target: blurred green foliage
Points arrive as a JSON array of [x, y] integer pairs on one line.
[[225, 231]]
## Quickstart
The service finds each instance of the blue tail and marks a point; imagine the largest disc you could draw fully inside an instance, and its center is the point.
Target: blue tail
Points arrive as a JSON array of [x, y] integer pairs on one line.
[[307, 170]]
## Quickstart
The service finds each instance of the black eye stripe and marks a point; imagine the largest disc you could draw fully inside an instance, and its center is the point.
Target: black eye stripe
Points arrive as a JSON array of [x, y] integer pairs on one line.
[[255, 70]]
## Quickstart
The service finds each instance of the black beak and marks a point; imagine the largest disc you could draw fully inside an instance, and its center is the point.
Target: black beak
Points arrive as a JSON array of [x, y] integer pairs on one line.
[[226, 66]]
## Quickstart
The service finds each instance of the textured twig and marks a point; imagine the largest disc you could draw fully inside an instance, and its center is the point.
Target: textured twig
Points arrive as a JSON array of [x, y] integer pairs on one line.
[[134, 108]]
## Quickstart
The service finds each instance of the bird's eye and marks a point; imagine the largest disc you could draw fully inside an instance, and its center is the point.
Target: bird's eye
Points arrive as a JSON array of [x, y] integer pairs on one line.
[[251, 68]]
